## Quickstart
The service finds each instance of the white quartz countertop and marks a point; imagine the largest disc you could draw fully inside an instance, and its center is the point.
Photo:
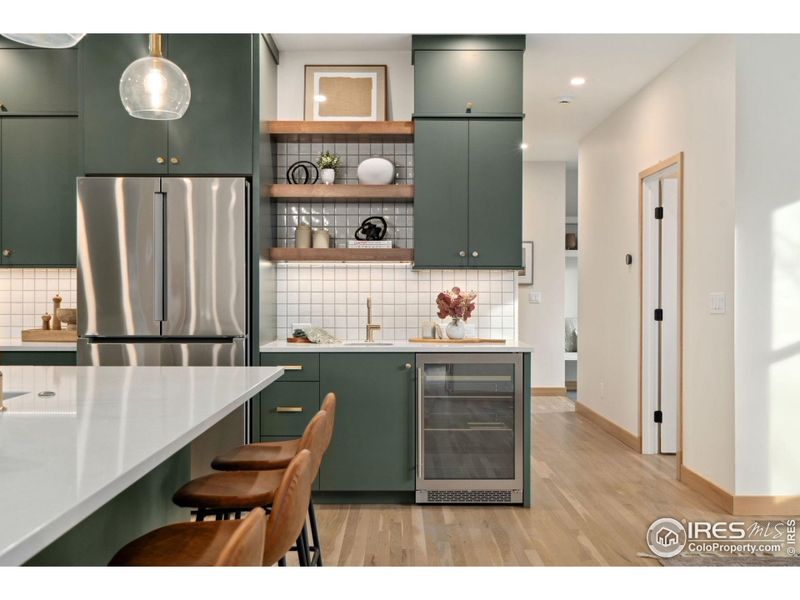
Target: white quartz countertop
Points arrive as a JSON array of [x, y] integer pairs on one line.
[[283, 346], [63, 457], [17, 345]]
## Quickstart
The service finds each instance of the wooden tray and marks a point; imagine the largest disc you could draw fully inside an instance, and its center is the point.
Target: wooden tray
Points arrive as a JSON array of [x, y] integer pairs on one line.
[[298, 340], [461, 341], [49, 335]]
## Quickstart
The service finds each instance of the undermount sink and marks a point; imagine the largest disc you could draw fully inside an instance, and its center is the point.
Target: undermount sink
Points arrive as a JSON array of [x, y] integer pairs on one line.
[[368, 344]]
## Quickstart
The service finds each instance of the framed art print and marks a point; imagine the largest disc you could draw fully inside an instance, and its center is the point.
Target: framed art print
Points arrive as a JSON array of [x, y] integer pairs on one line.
[[345, 93]]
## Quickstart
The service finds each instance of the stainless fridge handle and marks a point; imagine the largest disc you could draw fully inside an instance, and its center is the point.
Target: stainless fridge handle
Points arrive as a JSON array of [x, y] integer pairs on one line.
[[420, 431], [158, 254]]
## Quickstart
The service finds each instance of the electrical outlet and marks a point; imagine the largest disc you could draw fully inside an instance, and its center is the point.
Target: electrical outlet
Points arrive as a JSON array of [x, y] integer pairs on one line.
[[718, 303], [534, 297]]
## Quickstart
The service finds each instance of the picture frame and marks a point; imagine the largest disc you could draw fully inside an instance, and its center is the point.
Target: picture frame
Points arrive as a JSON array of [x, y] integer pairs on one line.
[[345, 92], [525, 274]]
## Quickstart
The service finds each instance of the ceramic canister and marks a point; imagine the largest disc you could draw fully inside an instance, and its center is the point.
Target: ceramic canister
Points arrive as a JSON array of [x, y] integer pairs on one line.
[[302, 236], [322, 238]]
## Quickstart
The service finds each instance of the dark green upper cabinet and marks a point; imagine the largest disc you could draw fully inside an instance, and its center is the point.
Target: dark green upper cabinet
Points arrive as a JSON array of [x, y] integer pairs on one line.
[[460, 75], [446, 82], [441, 158], [214, 137], [39, 167], [114, 143], [373, 440], [495, 193], [216, 133], [34, 81], [468, 198]]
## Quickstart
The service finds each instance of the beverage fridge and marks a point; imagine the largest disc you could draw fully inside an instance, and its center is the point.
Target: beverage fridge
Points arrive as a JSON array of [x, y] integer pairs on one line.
[[163, 279]]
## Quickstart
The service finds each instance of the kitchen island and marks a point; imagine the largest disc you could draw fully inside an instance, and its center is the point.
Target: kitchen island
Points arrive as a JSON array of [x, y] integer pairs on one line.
[[93, 465]]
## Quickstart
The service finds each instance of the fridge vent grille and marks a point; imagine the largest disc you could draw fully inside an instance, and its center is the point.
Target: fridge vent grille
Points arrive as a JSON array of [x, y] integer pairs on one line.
[[470, 496]]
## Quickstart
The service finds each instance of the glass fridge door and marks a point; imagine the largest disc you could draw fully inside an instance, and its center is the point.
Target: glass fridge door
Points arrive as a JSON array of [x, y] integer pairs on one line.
[[469, 418]]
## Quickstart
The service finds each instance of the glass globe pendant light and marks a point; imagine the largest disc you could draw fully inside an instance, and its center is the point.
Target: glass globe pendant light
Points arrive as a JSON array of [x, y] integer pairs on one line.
[[153, 87], [46, 40]]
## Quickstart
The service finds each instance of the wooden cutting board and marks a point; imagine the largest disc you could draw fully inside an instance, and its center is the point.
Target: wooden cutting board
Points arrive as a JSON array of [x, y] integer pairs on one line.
[[49, 335], [461, 341]]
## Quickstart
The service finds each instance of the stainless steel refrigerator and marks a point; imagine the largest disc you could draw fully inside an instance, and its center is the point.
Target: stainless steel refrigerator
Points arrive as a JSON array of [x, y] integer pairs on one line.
[[163, 279]]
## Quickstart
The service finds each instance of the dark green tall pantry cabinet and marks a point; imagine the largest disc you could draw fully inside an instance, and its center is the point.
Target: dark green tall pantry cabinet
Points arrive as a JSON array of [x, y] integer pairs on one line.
[[468, 198], [214, 137]]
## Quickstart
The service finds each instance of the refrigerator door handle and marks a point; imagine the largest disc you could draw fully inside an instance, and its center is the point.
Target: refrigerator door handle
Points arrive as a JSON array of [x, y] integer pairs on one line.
[[158, 254]]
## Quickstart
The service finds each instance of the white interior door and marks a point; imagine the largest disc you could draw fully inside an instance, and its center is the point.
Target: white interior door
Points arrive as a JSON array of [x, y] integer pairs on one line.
[[661, 311]]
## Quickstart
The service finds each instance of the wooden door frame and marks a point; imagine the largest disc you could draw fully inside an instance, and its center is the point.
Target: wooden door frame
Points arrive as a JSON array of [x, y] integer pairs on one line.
[[675, 160]]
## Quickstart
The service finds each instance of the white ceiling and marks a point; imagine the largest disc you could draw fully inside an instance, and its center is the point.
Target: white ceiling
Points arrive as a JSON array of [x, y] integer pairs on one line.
[[615, 66]]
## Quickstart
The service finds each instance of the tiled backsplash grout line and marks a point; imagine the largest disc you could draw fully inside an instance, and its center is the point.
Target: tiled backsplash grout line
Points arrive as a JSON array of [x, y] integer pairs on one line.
[[26, 294]]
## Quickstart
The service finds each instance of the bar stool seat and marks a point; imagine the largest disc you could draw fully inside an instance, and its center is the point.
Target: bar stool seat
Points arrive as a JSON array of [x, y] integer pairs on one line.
[[206, 544], [262, 456], [230, 490]]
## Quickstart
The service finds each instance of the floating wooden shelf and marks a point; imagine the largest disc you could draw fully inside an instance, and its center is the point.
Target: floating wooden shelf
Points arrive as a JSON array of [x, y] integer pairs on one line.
[[292, 130], [400, 193], [342, 254]]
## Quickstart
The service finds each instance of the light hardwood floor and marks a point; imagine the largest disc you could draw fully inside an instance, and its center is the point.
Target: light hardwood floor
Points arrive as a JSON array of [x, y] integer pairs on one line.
[[594, 499]]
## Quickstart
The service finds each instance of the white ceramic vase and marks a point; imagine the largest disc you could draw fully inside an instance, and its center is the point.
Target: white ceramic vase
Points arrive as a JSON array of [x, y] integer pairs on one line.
[[327, 176], [455, 329]]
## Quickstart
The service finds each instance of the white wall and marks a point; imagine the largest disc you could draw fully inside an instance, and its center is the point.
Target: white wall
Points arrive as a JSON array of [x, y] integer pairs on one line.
[[572, 193], [542, 325], [767, 265], [291, 79], [690, 107]]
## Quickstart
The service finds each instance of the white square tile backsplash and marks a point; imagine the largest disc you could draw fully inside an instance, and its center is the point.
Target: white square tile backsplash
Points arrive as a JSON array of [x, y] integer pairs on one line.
[[26, 294], [334, 296]]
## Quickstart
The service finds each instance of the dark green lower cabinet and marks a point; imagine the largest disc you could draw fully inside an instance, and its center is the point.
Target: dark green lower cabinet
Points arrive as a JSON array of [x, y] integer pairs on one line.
[[39, 359], [286, 408], [373, 440]]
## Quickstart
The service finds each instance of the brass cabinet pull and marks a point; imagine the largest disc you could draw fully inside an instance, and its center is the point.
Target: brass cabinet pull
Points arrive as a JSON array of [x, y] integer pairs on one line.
[[291, 367], [3, 107], [175, 160], [160, 160], [7, 252], [288, 409]]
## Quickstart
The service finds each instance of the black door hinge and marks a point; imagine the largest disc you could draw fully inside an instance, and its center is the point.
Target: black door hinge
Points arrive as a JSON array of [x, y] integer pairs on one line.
[[659, 212], [658, 314], [658, 417]]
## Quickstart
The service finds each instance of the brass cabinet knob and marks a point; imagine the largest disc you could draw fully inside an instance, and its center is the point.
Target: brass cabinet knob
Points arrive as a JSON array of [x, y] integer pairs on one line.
[[7, 252], [469, 107], [160, 160], [462, 253], [3, 107], [174, 160], [408, 366], [475, 254]]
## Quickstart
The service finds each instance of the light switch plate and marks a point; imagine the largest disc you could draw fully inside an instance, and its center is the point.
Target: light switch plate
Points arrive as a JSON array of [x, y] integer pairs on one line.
[[718, 303], [534, 297]]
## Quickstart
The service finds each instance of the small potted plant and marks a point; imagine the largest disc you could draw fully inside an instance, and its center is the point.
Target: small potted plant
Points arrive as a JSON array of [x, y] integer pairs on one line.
[[458, 306], [328, 164]]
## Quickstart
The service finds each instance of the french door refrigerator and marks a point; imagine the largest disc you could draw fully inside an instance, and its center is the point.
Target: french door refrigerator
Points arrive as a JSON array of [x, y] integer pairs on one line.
[[162, 278]]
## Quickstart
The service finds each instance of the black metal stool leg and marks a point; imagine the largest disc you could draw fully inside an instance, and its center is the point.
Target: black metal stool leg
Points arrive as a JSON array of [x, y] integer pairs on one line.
[[302, 549], [316, 548], [282, 561]]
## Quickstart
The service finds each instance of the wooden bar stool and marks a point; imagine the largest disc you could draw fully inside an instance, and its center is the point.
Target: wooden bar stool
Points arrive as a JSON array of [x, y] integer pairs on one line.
[[192, 544], [229, 492], [267, 456], [213, 543]]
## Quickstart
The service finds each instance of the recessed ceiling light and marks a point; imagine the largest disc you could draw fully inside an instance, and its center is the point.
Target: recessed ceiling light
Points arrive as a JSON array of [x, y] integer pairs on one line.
[[523, 146], [577, 80], [320, 98]]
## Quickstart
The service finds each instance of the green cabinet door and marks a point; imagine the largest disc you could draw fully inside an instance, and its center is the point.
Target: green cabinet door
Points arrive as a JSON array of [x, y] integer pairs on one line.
[[495, 193], [441, 159], [37, 81], [115, 143], [373, 440], [39, 167], [445, 81], [38, 358], [215, 136]]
